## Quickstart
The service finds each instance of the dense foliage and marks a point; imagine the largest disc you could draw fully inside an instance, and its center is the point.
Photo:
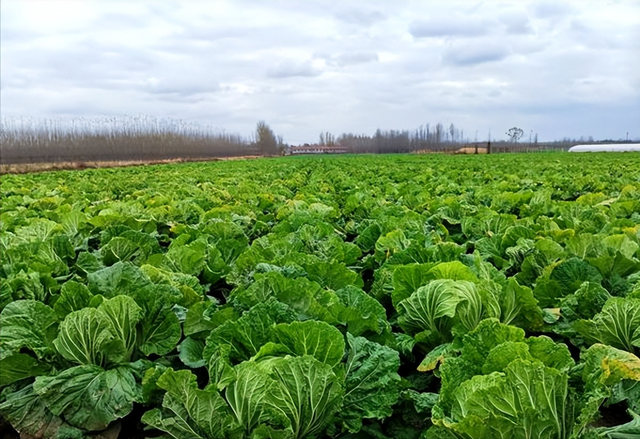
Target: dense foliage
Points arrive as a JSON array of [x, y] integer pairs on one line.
[[350, 297]]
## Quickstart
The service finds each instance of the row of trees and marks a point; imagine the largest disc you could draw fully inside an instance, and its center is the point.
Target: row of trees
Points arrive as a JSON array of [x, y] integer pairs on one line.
[[24, 140], [425, 138], [147, 138], [438, 138]]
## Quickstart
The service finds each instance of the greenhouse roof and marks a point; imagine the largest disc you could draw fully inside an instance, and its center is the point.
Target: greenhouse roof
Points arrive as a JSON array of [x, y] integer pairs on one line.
[[604, 147]]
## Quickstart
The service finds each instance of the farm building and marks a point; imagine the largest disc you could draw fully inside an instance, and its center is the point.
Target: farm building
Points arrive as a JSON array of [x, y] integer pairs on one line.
[[317, 149], [607, 147]]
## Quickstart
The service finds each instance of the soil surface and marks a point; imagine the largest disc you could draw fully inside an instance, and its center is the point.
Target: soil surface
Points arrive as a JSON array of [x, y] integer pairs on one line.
[[26, 168]]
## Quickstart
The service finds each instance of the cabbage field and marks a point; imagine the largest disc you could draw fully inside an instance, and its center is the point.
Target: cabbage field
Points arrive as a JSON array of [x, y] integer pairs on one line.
[[385, 297]]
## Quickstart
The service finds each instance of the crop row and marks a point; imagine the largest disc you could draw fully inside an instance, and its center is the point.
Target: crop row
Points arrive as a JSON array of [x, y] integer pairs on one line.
[[312, 297]]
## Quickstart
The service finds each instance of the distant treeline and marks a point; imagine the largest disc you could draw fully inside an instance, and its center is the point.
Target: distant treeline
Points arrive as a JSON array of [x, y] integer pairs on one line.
[[426, 137], [25, 140], [121, 139], [438, 138]]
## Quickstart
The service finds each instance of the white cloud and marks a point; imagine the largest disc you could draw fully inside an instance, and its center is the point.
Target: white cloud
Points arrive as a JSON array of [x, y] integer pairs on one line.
[[562, 68]]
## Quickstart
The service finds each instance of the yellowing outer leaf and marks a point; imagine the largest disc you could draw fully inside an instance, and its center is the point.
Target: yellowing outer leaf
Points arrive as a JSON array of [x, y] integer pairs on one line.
[[609, 365], [435, 357]]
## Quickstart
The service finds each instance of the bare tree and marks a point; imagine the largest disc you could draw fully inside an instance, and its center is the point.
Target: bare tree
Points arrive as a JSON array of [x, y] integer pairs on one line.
[[266, 139], [439, 133], [329, 139], [515, 134]]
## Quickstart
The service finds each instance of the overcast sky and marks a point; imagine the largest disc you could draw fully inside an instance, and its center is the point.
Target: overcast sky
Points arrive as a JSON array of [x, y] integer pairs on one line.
[[556, 68]]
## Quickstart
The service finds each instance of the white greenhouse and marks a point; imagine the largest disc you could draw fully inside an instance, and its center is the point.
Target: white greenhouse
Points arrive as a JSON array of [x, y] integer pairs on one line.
[[607, 147]]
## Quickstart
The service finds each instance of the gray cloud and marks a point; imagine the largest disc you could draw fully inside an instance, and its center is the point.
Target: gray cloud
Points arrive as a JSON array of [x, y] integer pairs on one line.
[[474, 53], [345, 59], [450, 26], [516, 22], [120, 20], [550, 9], [361, 16], [287, 69], [566, 68], [181, 87]]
